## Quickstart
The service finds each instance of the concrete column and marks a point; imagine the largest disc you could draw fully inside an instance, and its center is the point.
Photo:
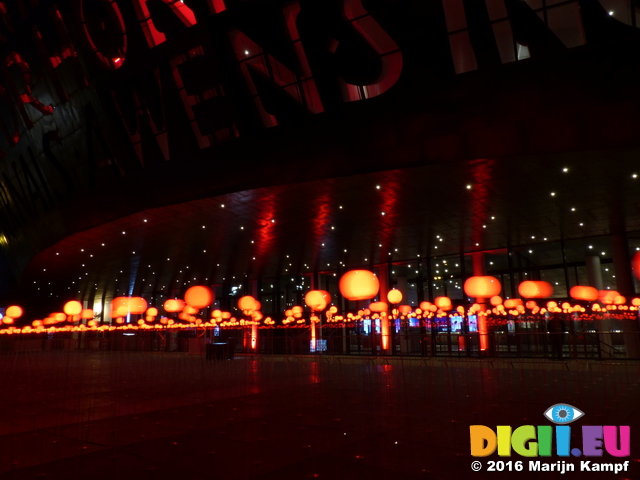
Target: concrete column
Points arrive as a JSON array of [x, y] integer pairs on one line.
[[253, 331], [594, 277], [385, 332], [479, 264], [480, 269], [624, 285], [594, 272], [622, 264], [402, 284], [315, 285]]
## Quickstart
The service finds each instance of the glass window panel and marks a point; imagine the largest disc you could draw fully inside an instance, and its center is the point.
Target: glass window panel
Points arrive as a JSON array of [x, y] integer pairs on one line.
[[496, 9], [618, 9], [454, 14], [565, 22], [464, 60], [375, 34], [534, 4], [504, 40], [555, 276]]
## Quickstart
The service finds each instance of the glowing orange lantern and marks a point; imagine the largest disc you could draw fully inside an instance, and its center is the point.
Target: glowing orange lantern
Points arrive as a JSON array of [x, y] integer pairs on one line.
[[120, 302], [580, 292], [317, 300], [482, 287], [513, 303], [189, 310], [137, 305], [378, 306], [72, 308], [247, 303], [173, 305], [535, 289], [152, 312], [14, 311], [359, 285], [608, 296], [87, 314], [443, 303], [495, 300], [199, 296], [425, 306], [404, 309], [394, 296], [635, 302], [619, 300], [531, 304]]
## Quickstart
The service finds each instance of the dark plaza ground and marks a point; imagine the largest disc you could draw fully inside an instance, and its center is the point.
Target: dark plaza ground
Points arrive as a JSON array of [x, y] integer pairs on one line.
[[119, 415]]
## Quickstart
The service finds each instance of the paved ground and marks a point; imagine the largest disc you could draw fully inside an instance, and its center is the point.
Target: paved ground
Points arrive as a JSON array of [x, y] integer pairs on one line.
[[173, 416]]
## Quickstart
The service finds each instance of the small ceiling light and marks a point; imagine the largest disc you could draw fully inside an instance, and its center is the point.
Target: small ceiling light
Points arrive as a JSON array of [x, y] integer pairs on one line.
[[468, 187], [553, 194]]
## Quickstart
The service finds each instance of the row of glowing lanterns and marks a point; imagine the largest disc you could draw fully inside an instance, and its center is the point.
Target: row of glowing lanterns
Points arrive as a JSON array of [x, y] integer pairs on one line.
[[355, 285]]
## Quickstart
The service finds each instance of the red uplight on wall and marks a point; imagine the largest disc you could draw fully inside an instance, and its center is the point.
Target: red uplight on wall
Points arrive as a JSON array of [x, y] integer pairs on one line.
[[635, 265]]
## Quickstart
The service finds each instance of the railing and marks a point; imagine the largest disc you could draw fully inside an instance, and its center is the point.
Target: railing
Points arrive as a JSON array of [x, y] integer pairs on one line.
[[410, 342]]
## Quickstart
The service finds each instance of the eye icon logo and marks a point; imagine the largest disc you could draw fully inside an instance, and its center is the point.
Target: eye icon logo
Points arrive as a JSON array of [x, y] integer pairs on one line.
[[563, 413]]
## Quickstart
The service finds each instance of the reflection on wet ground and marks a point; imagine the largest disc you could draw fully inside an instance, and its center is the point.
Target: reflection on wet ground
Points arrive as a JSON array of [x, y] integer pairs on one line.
[[155, 415]]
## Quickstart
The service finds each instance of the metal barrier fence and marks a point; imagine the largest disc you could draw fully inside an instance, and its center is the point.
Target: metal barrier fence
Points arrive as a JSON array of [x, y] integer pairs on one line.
[[332, 341]]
